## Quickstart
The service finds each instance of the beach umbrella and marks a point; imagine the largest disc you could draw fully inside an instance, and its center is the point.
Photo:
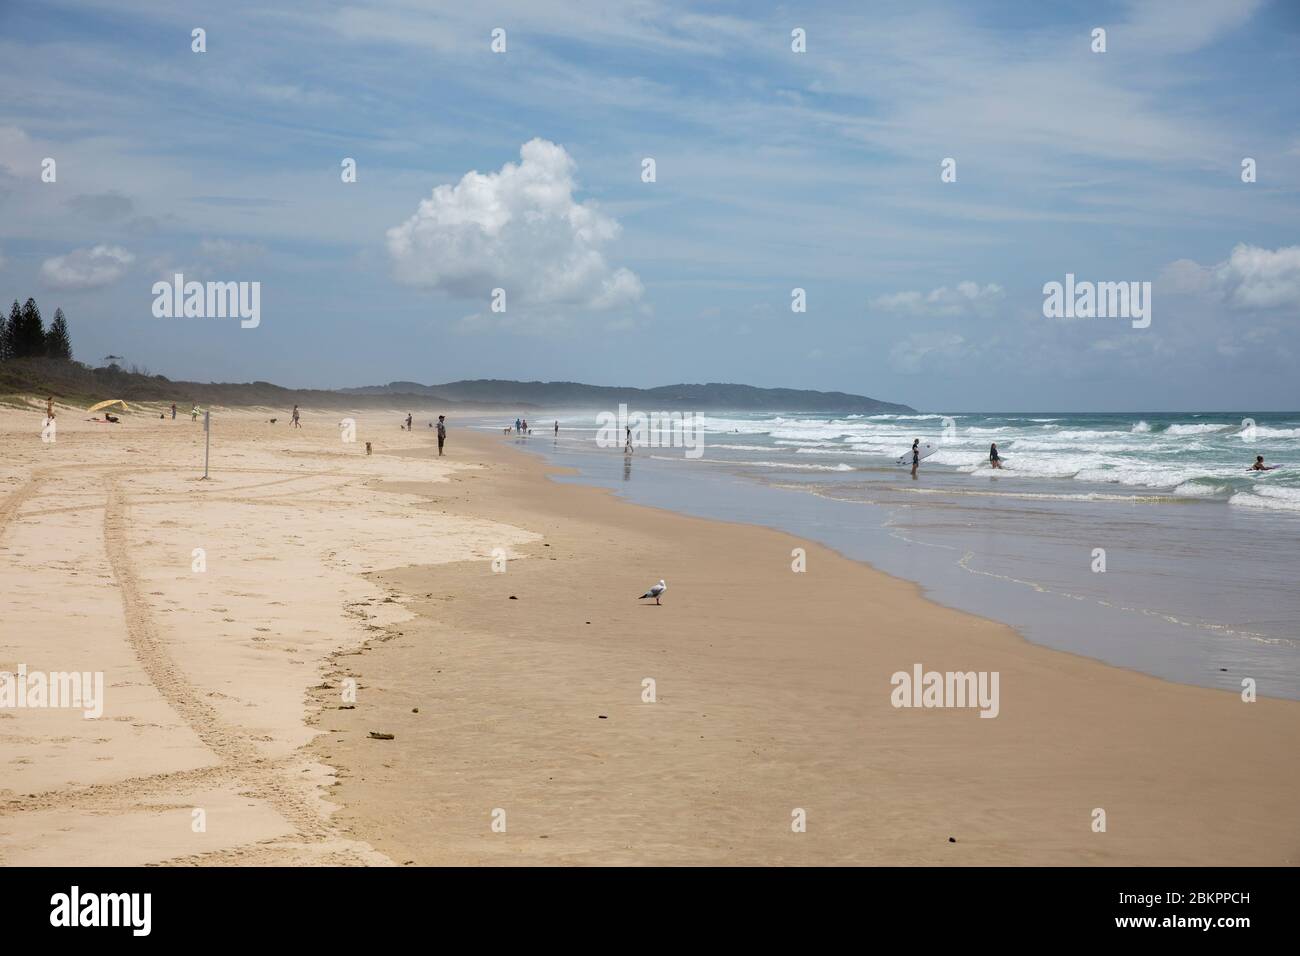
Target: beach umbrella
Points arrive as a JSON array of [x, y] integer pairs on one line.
[[111, 401]]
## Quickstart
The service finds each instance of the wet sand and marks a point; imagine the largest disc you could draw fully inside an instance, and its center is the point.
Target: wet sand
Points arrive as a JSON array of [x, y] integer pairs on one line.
[[772, 695]]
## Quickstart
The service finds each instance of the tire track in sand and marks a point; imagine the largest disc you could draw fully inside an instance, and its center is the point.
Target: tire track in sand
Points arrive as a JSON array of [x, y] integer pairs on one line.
[[14, 501], [228, 744]]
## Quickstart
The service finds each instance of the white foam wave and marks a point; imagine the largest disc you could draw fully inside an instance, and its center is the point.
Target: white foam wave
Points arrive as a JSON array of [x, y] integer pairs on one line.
[[1268, 496], [1191, 489], [1198, 429], [913, 418]]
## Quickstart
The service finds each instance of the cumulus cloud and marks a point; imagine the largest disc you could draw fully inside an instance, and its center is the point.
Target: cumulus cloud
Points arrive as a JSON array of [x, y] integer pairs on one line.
[[1255, 278], [1251, 278], [86, 268], [967, 298], [519, 229]]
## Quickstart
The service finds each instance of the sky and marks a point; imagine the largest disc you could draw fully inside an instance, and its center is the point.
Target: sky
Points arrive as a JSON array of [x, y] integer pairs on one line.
[[794, 147]]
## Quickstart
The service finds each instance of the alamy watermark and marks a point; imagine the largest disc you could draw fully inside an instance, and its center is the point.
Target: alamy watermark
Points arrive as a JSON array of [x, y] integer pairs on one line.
[[1100, 300], [922, 688], [130, 910], [210, 300], [82, 690], [653, 430]]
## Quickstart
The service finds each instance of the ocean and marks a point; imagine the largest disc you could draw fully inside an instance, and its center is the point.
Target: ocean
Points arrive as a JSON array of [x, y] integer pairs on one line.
[[1139, 539]]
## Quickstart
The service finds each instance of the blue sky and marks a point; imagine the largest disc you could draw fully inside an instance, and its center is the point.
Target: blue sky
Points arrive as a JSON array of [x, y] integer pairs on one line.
[[774, 170]]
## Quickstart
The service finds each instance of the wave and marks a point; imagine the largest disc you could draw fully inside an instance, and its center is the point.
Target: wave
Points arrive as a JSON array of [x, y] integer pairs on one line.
[[1056, 443], [1205, 488], [1270, 497], [1199, 429], [913, 418]]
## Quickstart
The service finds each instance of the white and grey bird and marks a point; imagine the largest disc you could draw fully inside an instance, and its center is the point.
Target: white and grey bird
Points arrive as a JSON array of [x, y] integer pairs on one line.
[[655, 592]]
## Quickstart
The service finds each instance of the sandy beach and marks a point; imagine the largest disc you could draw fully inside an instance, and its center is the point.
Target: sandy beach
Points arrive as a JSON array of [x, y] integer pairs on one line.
[[489, 620], [206, 672]]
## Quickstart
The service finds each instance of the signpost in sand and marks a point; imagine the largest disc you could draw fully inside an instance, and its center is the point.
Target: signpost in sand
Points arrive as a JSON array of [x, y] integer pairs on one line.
[[207, 441]]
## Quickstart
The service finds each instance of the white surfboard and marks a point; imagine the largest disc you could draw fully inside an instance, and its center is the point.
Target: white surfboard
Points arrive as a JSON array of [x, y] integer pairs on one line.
[[926, 449]]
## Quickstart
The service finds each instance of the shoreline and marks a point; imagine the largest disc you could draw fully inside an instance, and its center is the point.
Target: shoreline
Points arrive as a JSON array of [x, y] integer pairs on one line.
[[771, 695], [1188, 600]]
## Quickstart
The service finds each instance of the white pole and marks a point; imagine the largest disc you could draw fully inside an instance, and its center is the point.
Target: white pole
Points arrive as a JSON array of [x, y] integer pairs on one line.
[[207, 440]]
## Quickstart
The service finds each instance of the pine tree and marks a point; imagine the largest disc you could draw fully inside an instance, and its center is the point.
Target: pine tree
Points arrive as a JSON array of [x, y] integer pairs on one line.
[[29, 339], [10, 329], [57, 343], [4, 337]]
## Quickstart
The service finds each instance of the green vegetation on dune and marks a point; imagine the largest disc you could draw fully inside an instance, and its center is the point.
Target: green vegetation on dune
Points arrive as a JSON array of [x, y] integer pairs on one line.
[[73, 383]]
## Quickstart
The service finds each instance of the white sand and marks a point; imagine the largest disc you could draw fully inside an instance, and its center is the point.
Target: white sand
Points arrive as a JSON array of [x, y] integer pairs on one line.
[[205, 673]]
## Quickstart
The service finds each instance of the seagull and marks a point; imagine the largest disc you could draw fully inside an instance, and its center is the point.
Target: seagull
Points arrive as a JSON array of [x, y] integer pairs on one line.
[[655, 591]]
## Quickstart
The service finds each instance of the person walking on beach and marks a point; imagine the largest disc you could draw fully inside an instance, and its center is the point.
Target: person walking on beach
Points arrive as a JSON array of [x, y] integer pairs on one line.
[[296, 423], [517, 425], [408, 421], [994, 459], [1260, 466], [442, 432], [916, 456], [194, 413], [173, 411], [557, 429]]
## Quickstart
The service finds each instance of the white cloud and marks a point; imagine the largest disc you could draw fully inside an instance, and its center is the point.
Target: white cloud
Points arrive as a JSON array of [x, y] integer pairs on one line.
[[1251, 278], [86, 268], [966, 299], [1184, 277], [519, 229], [1255, 278]]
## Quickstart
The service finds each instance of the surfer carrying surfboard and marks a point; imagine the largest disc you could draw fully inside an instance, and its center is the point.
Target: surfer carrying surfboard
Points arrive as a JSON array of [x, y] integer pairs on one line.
[[916, 456], [994, 459]]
